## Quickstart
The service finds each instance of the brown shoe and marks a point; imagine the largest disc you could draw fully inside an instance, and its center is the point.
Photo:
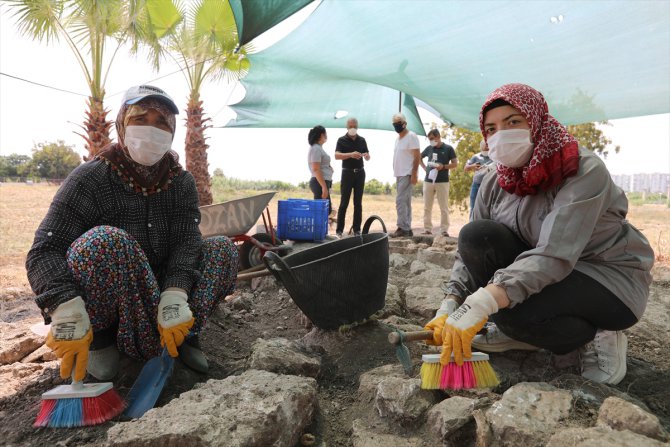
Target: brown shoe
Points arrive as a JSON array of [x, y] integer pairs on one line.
[[401, 233], [427, 233]]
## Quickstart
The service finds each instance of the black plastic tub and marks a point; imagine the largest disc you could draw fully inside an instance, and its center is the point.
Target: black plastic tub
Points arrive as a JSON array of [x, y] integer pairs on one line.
[[337, 283]]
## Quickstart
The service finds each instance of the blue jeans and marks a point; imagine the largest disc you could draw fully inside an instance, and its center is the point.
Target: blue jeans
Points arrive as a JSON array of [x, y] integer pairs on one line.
[[473, 196]]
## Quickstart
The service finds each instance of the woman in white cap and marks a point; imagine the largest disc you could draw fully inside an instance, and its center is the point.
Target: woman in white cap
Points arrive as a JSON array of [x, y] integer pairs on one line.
[[118, 263]]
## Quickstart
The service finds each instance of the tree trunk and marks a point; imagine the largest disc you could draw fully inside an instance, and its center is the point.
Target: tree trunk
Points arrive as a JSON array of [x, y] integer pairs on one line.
[[196, 148], [96, 127]]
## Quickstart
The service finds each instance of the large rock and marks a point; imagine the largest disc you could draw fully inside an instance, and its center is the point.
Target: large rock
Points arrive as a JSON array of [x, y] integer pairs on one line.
[[282, 356], [451, 420], [423, 301], [528, 414], [17, 341], [41, 354], [397, 260], [257, 408], [368, 381], [417, 267], [393, 302], [401, 247], [483, 432], [600, 437], [621, 415], [446, 243], [17, 377], [438, 256], [403, 400], [367, 435], [592, 393]]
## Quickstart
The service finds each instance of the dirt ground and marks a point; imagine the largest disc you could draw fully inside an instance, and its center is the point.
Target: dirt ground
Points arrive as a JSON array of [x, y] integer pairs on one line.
[[270, 313]]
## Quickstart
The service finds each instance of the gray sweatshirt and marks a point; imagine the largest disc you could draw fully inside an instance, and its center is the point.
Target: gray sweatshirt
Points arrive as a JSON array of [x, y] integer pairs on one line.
[[578, 225]]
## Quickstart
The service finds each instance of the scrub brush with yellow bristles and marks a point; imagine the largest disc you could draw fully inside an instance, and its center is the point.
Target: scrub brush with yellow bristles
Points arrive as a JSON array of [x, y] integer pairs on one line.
[[476, 372]]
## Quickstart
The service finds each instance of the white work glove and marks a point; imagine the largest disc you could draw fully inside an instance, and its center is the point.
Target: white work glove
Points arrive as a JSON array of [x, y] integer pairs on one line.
[[461, 326], [70, 337], [175, 319], [448, 307]]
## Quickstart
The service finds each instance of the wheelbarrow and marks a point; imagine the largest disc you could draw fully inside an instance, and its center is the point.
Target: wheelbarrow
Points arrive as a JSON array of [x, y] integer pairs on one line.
[[337, 283], [235, 218]]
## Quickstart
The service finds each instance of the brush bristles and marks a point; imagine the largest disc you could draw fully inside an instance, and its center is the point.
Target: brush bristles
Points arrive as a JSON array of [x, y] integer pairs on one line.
[[430, 376], [472, 374], [79, 412]]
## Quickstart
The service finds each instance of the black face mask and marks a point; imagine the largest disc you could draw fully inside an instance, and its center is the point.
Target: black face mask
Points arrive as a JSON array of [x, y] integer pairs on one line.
[[399, 127]]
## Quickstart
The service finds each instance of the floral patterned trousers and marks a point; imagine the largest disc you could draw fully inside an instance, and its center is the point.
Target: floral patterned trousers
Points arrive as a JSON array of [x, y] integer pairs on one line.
[[122, 291]]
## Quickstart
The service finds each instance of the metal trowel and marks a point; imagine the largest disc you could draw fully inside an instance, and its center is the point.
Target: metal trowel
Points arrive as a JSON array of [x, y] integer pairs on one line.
[[147, 388]]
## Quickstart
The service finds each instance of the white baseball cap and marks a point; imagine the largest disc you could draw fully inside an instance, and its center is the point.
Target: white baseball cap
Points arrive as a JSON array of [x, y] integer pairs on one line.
[[139, 92]]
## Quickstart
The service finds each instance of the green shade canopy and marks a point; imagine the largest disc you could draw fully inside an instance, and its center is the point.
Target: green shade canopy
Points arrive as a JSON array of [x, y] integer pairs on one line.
[[254, 17], [592, 60], [280, 96]]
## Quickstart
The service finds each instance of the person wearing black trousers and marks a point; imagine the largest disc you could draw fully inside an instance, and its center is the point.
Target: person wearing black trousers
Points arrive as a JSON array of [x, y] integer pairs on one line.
[[352, 150]]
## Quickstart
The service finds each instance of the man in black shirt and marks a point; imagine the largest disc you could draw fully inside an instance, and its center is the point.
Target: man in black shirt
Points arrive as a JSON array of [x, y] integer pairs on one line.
[[441, 158], [351, 149]]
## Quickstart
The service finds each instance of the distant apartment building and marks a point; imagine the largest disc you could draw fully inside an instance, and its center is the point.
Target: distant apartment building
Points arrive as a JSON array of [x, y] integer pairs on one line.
[[655, 182], [622, 181]]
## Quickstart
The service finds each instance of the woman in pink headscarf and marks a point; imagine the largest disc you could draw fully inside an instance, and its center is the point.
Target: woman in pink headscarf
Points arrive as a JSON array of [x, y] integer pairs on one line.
[[549, 256]]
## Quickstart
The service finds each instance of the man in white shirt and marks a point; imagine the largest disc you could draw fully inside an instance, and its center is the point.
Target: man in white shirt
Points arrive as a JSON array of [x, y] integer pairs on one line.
[[405, 168]]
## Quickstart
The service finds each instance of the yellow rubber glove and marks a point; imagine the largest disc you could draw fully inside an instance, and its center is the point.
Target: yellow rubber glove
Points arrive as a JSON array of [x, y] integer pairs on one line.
[[437, 326], [175, 319], [461, 327], [70, 338], [448, 306]]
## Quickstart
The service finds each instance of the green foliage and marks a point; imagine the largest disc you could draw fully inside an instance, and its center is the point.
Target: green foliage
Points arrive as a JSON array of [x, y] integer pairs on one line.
[[14, 165], [592, 138], [642, 198], [467, 145], [229, 183], [54, 160], [218, 172], [374, 187], [417, 189]]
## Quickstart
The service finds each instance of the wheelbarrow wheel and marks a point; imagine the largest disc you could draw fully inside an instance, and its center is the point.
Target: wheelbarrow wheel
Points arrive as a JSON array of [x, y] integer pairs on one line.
[[251, 255]]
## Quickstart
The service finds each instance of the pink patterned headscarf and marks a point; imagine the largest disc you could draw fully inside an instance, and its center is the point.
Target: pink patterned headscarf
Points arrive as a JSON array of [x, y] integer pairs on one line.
[[555, 153]]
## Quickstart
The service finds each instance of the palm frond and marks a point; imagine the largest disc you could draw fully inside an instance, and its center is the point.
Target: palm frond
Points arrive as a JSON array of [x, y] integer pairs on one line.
[[38, 18]]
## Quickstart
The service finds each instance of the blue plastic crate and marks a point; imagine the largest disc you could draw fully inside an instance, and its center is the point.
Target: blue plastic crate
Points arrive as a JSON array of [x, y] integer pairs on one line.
[[302, 220]]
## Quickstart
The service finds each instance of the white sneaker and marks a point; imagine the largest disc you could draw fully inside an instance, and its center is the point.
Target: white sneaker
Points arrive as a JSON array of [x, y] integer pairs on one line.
[[604, 358], [495, 341], [103, 364]]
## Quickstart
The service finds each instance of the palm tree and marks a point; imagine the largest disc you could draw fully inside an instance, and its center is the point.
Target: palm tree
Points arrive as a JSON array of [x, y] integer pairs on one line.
[[205, 47], [86, 26]]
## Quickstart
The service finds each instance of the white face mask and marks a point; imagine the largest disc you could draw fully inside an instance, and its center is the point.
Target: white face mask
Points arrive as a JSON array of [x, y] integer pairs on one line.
[[433, 143], [352, 132], [485, 153], [147, 144], [511, 148]]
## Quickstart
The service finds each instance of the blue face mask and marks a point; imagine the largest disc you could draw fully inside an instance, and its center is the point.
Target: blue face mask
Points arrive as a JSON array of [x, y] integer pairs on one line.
[[399, 127]]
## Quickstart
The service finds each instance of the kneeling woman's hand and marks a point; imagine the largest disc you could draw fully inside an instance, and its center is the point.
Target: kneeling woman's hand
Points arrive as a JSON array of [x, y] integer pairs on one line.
[[461, 327], [70, 338], [175, 319], [448, 307]]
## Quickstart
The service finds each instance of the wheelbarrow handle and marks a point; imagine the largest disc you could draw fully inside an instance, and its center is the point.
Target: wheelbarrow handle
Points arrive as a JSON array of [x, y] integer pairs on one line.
[[398, 337], [277, 265], [370, 220]]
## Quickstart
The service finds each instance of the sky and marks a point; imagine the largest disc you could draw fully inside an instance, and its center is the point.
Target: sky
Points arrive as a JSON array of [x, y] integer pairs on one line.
[[31, 114]]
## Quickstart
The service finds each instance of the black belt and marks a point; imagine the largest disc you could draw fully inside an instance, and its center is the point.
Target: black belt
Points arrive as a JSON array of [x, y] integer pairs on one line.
[[355, 170]]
